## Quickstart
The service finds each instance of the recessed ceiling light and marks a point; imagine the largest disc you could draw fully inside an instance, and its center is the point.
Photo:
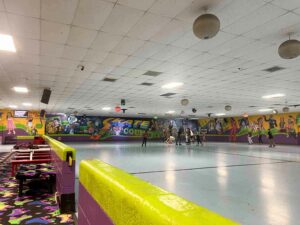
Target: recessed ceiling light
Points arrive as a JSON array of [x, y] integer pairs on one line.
[[172, 85], [27, 104], [7, 43], [265, 110], [20, 89], [13, 106], [273, 96], [170, 112], [106, 108], [220, 114]]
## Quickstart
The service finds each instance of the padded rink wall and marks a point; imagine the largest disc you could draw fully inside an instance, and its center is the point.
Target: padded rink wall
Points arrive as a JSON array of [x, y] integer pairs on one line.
[[64, 159], [109, 196]]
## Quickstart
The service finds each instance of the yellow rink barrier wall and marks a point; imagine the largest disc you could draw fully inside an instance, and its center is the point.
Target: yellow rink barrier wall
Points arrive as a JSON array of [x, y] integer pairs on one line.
[[63, 158], [25, 137], [60, 148], [126, 199]]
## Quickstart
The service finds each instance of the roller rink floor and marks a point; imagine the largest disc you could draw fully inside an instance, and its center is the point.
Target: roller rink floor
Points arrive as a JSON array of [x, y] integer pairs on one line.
[[253, 185]]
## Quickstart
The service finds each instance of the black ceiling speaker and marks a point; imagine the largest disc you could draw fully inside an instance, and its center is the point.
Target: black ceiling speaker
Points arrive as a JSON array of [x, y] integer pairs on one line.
[[124, 110], [194, 110], [122, 101], [46, 96]]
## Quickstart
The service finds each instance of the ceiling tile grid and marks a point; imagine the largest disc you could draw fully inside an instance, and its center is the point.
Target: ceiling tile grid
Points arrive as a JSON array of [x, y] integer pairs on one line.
[[124, 39]]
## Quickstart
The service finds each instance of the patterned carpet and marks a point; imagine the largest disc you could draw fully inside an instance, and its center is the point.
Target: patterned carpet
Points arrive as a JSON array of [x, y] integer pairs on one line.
[[32, 208]]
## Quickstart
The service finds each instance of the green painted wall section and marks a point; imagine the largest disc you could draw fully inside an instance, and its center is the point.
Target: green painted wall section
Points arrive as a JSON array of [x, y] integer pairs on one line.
[[127, 199]]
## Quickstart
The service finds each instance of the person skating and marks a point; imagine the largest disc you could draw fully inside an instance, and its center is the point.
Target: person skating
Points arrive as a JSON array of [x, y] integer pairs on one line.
[[145, 138], [271, 139]]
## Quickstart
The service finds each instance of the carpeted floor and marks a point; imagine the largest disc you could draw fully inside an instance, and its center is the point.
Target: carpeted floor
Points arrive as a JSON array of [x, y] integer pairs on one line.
[[28, 209]]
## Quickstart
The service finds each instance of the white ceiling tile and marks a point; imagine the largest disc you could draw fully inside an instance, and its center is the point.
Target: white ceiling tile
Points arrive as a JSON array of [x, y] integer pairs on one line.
[[29, 59], [137, 4], [148, 25], [167, 52], [113, 59], [74, 53], [61, 11], [2, 8], [128, 46], [92, 13], [81, 37], [4, 26], [26, 27], [132, 61], [148, 49], [101, 68], [105, 42], [121, 19], [68, 64], [260, 16], [288, 5], [169, 8], [49, 61], [51, 49], [27, 45], [24, 7], [171, 31], [54, 32], [95, 56]]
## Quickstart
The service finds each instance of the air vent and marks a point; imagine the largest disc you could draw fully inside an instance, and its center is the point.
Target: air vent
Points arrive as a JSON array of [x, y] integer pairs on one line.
[[252, 106], [90, 109], [277, 104], [131, 107], [147, 84], [71, 108], [141, 113], [109, 79], [152, 73], [209, 107], [274, 69], [168, 94]]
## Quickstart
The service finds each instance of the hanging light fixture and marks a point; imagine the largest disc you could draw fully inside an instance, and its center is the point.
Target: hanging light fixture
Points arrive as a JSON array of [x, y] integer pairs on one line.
[[285, 109], [206, 26], [184, 102], [289, 49], [228, 107]]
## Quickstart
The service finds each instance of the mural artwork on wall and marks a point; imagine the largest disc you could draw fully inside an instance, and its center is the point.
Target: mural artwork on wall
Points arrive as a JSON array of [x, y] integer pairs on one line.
[[107, 128], [21, 123], [285, 127]]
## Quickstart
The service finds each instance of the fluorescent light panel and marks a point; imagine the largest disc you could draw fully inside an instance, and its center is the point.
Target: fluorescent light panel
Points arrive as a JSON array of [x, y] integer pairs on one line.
[[13, 106], [170, 112], [7, 43], [27, 104], [20, 89], [273, 96], [106, 108], [220, 114], [172, 85], [265, 110]]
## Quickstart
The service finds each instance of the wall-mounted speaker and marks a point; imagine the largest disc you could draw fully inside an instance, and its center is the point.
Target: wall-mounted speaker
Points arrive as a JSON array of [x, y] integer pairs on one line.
[[46, 96]]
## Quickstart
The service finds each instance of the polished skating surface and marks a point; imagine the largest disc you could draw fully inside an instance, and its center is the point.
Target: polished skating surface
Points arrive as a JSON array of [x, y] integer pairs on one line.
[[253, 185]]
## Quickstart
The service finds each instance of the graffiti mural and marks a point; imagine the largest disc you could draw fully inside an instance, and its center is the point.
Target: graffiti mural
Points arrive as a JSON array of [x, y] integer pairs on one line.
[[287, 126], [104, 128]]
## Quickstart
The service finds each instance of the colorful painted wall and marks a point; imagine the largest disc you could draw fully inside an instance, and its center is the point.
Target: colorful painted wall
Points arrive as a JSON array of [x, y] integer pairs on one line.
[[85, 128], [11, 125], [285, 127]]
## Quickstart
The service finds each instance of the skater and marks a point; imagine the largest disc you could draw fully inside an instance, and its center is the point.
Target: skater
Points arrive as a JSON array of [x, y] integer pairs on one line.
[[145, 137], [250, 138], [179, 133], [271, 139], [199, 141]]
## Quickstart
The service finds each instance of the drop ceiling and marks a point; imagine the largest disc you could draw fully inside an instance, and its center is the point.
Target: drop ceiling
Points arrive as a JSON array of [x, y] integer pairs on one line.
[[124, 39]]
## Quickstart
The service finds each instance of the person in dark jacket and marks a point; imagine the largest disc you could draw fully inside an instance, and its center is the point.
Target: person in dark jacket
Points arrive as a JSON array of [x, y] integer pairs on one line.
[[271, 139], [145, 138]]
